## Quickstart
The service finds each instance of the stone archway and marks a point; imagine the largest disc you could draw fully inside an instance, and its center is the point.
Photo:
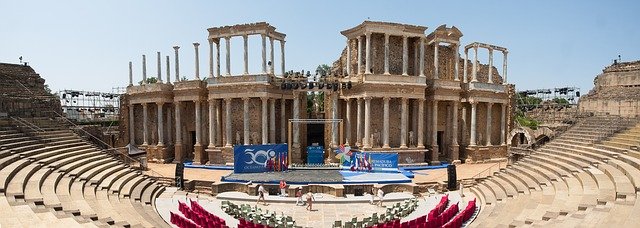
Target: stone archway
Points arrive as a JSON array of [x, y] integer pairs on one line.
[[520, 136]]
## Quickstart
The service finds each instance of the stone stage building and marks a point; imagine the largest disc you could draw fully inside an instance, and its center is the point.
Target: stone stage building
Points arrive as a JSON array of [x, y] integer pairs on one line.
[[412, 93], [616, 91]]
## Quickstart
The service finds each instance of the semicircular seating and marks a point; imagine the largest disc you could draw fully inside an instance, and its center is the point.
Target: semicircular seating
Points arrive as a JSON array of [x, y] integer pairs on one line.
[[588, 175], [51, 176]]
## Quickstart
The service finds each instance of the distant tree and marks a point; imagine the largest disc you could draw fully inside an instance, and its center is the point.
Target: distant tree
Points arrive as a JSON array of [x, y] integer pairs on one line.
[[527, 100], [560, 101], [323, 68], [149, 80]]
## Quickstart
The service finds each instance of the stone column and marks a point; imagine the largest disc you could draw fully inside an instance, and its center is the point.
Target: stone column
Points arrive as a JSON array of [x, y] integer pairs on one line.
[[228, 54], [455, 152], [212, 123], [404, 119], [464, 65], [198, 151], [347, 102], [272, 121], [421, 57], [130, 73], [169, 124], [464, 125], [227, 123], [490, 76], [245, 38], [271, 66], [218, 121], [504, 67], [488, 127], [159, 69], [385, 125], [177, 63], [160, 124], [367, 63], [217, 42], [296, 115], [168, 70], [359, 122], [334, 115], [179, 155], [474, 112], [367, 121], [420, 123], [348, 57], [416, 67], [359, 55], [474, 72], [210, 58], [264, 122], [132, 126], [198, 113], [405, 55], [436, 64], [434, 133], [283, 121], [195, 46], [503, 124], [145, 128], [456, 69], [246, 119], [386, 53], [282, 57], [264, 55], [144, 69]]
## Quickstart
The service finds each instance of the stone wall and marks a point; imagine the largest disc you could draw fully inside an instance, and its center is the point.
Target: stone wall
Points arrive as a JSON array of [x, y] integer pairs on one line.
[[23, 93], [616, 91]]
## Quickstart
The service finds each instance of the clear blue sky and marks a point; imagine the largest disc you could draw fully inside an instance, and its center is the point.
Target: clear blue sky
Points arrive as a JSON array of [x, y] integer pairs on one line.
[[86, 45]]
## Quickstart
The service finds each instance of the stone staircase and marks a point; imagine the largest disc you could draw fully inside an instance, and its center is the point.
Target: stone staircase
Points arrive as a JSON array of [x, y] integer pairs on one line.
[[51, 176], [588, 176]]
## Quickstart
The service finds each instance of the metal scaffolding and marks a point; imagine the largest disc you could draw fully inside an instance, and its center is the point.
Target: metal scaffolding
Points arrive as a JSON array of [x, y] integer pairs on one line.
[[90, 106]]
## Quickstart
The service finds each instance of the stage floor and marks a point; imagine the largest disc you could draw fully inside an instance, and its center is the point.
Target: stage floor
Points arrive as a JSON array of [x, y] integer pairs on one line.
[[318, 177]]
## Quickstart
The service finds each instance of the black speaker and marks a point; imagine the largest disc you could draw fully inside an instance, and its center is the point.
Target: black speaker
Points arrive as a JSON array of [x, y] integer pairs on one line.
[[180, 175], [452, 180]]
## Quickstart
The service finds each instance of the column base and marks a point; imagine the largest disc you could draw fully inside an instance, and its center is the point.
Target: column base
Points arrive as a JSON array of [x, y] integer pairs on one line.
[[435, 162], [403, 147], [215, 155], [199, 157], [455, 152], [456, 162], [387, 147], [420, 147], [434, 154], [178, 153]]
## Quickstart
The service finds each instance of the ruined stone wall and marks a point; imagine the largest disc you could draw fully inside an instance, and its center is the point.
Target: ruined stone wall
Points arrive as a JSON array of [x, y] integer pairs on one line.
[[616, 91], [23, 93]]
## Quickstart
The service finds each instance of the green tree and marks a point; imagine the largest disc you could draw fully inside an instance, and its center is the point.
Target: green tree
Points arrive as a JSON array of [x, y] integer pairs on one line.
[[323, 68], [560, 101], [149, 80]]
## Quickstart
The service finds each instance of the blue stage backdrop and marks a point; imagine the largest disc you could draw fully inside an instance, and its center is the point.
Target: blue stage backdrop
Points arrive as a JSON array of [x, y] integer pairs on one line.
[[315, 155], [253, 158], [387, 161]]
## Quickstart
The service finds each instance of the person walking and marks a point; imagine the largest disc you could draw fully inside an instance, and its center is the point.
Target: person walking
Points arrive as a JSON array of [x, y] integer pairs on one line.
[[261, 193], [380, 195], [283, 188], [310, 200], [299, 201], [373, 195]]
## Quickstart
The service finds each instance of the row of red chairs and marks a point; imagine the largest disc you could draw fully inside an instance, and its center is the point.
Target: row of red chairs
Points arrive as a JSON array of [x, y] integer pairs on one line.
[[248, 224], [463, 216], [182, 222], [448, 218], [195, 206], [207, 220], [444, 202], [389, 224]]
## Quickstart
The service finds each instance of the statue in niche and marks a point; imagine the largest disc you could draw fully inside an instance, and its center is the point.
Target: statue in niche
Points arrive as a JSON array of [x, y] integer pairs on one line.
[[238, 139], [371, 141], [412, 141], [376, 139], [255, 138]]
